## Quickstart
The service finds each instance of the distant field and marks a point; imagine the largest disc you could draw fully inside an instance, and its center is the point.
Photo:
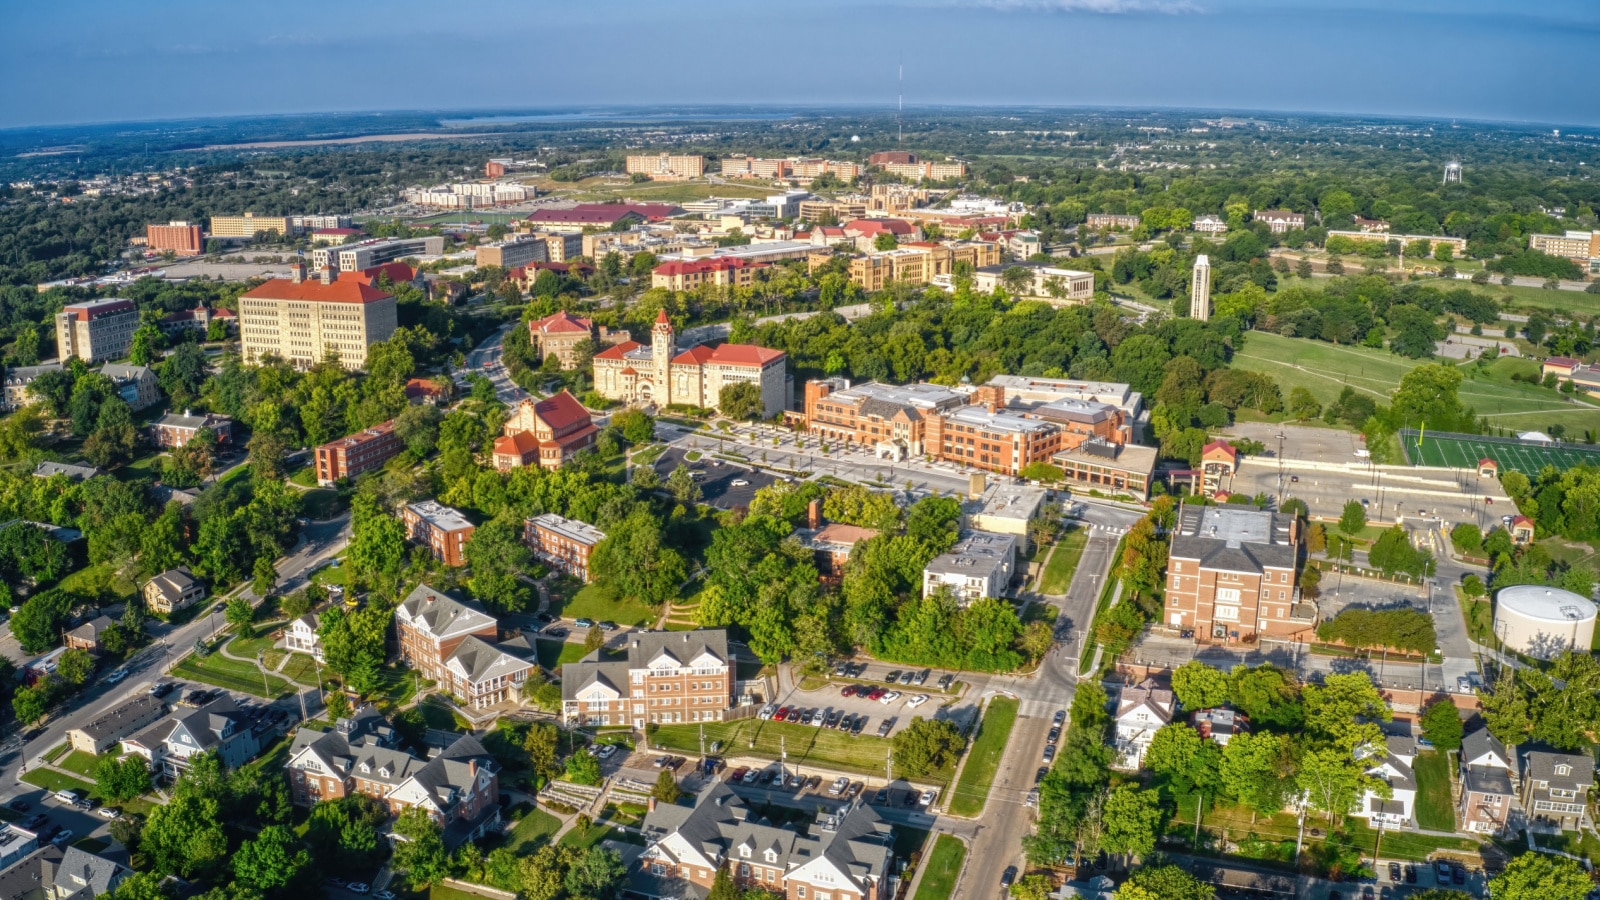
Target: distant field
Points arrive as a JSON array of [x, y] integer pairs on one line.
[[1462, 451]]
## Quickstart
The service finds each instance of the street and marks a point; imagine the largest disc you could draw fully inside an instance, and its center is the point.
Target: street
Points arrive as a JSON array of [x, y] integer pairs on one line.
[[485, 360]]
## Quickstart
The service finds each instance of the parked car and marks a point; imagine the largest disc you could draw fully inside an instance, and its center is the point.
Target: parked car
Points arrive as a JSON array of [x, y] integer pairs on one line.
[[927, 797], [892, 678], [922, 677], [832, 721], [818, 716], [861, 722], [160, 689], [1394, 872], [751, 776], [1411, 874], [877, 693], [110, 812], [906, 676], [36, 822], [739, 482], [1008, 876], [1458, 874], [608, 625], [849, 690], [910, 799], [605, 751], [1059, 718], [1049, 752], [813, 782], [20, 805], [585, 622], [737, 774], [358, 887], [882, 796], [846, 722], [768, 710], [1442, 872], [69, 796], [1040, 774], [544, 618], [556, 631], [1053, 736], [1032, 799], [885, 727], [839, 786], [61, 839], [890, 697], [782, 715], [916, 701], [946, 680]]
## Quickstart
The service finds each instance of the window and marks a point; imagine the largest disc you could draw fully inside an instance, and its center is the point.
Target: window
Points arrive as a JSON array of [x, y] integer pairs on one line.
[[1227, 613], [800, 891]]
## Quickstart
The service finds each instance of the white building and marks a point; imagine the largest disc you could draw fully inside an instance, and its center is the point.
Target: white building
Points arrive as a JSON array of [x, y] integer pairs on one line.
[[1200, 289], [1209, 224], [1392, 764], [979, 565], [1142, 710], [301, 636]]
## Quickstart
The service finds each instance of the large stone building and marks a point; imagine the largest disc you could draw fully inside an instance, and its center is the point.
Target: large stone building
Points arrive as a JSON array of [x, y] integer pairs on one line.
[[846, 854], [666, 167], [302, 320], [1051, 283], [19, 381], [453, 642], [96, 330], [138, 386], [890, 419], [664, 678], [1280, 221], [560, 333], [661, 375], [545, 433], [1231, 575], [921, 262], [181, 238], [249, 225], [1579, 246]]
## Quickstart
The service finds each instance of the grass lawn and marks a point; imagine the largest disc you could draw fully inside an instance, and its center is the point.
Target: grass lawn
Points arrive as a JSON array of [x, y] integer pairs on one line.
[[598, 603], [301, 668], [81, 763], [983, 757], [1479, 615], [91, 845], [533, 832], [397, 685], [863, 754], [1404, 844], [604, 188], [442, 717], [555, 653], [53, 781], [1577, 843], [249, 647], [1434, 808], [305, 476], [99, 581], [596, 833], [1063, 562], [231, 674], [60, 751], [940, 869]]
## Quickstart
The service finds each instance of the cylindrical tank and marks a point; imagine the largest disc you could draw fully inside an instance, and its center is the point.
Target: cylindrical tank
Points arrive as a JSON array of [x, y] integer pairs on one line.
[[1543, 622]]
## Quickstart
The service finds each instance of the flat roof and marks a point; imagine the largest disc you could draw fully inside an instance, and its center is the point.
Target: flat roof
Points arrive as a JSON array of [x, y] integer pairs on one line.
[[1546, 604], [572, 529], [1002, 421], [977, 551], [1234, 524], [439, 515], [1129, 458], [1012, 501]]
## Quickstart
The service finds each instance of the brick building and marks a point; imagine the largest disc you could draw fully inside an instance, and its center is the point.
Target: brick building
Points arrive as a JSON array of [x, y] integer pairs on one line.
[[663, 678], [302, 320], [1231, 575], [354, 454], [173, 430], [96, 330], [454, 642], [1112, 220], [565, 544], [546, 433], [999, 441], [666, 167], [892, 419], [688, 274], [560, 333], [441, 529], [182, 238]]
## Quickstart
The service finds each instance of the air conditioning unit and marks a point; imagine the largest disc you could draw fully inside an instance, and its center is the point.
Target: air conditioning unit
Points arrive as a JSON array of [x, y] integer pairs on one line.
[[1219, 631]]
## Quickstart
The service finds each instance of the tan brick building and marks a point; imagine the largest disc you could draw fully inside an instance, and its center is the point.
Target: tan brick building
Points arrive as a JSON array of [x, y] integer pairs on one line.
[[662, 375], [920, 262], [302, 320], [663, 678], [182, 238], [96, 330], [1231, 575], [688, 274], [249, 225], [546, 433], [560, 333], [666, 167], [353, 454], [441, 529]]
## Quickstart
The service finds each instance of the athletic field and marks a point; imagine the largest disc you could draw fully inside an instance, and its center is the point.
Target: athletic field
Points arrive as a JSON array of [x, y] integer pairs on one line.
[[1462, 451]]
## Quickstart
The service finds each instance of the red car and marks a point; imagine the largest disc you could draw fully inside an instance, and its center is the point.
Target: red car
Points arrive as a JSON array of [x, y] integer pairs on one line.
[[781, 714], [877, 693], [849, 690]]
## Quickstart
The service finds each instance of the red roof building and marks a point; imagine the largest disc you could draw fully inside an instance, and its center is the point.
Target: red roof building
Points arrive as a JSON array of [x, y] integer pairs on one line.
[[546, 433], [396, 272], [723, 271], [560, 333], [427, 390], [341, 290], [874, 227]]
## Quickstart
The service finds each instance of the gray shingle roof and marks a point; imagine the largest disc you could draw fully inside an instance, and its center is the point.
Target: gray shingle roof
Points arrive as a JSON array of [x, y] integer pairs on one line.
[[83, 874], [440, 614]]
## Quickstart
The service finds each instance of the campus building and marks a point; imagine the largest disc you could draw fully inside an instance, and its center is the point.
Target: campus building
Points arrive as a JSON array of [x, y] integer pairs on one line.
[[666, 167], [1051, 283], [441, 529], [1113, 220], [563, 544], [661, 375], [302, 320], [1582, 247], [454, 642], [181, 238], [997, 440], [979, 565], [1231, 575], [138, 386], [1200, 289], [1280, 221], [560, 333], [1099, 465], [374, 253], [891, 419], [249, 225], [96, 330], [173, 430], [667, 677], [354, 454], [545, 433], [688, 274]]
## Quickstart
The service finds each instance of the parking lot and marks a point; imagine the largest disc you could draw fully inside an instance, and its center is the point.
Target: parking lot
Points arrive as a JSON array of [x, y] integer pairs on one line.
[[890, 711], [724, 484]]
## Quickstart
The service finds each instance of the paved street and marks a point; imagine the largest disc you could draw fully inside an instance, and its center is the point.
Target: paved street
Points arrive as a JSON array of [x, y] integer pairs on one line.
[[485, 360]]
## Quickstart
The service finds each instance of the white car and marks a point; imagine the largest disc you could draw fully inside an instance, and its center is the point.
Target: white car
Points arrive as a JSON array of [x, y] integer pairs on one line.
[[916, 701], [109, 812], [739, 482], [359, 887], [116, 676], [605, 751], [927, 797], [890, 697], [62, 839]]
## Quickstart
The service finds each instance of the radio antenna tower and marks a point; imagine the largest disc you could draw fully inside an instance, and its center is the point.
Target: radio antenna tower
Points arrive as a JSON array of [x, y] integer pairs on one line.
[[900, 112]]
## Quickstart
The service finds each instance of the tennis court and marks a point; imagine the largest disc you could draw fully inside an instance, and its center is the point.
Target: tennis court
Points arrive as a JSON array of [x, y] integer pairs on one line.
[[1462, 451]]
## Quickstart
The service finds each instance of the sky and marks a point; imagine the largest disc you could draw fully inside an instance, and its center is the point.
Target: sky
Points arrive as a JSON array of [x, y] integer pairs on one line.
[[81, 61]]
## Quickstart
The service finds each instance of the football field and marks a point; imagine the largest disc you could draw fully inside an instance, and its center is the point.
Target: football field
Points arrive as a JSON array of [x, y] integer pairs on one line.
[[1462, 451]]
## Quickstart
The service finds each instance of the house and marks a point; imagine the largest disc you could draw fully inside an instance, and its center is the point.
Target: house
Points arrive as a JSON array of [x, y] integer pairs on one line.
[[173, 430], [1219, 724], [1210, 224], [846, 853], [459, 786], [87, 635], [979, 565], [172, 590], [664, 678], [136, 385], [453, 642], [19, 379], [300, 636], [1555, 789], [15, 844], [432, 391], [831, 545], [441, 529], [1142, 710], [1488, 802], [234, 733], [1392, 763], [1280, 221], [81, 875], [103, 733], [47, 469], [564, 544], [1522, 531], [546, 433], [1560, 366]]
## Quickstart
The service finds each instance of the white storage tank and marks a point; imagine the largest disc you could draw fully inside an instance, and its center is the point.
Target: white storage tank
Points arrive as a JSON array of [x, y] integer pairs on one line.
[[1543, 622]]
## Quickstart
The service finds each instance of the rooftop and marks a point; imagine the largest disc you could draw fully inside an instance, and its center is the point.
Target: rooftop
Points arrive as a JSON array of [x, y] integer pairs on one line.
[[440, 516], [571, 529], [978, 552], [1546, 604], [1001, 422], [1233, 538], [1018, 502]]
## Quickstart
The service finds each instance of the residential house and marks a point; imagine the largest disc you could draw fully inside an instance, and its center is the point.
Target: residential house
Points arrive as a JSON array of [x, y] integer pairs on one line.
[[1394, 764], [979, 565], [104, 731], [80, 875], [1488, 802], [173, 430], [47, 469], [453, 642], [236, 734], [663, 678], [87, 635], [1280, 221], [300, 636], [831, 545], [432, 391], [172, 590], [1555, 789], [845, 854], [1219, 724], [1142, 710]]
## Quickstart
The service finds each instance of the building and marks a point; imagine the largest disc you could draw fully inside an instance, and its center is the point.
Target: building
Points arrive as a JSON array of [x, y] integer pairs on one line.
[[668, 677], [796, 167], [661, 375], [329, 237], [15, 844], [351, 455], [48, 469], [1049, 282], [249, 225], [998, 440], [722, 271], [313, 223], [441, 529], [136, 385], [96, 330], [172, 590], [1209, 224], [432, 391], [102, 733], [303, 320], [546, 433], [832, 544], [371, 254], [1231, 575], [470, 194], [1219, 461], [513, 253], [300, 636], [72, 873], [1219, 724], [459, 787], [1280, 221], [1200, 289], [891, 419], [1392, 763], [1543, 622], [1025, 392], [1371, 226], [920, 262], [1488, 801], [917, 170], [560, 333], [234, 733], [563, 544], [1113, 220], [1098, 465], [845, 854], [173, 430], [1457, 245], [87, 635], [666, 167], [1084, 420], [1142, 710], [865, 232], [179, 238], [608, 216], [1555, 789], [454, 643], [18, 379], [198, 319], [1578, 246], [1006, 508], [979, 565], [892, 158]]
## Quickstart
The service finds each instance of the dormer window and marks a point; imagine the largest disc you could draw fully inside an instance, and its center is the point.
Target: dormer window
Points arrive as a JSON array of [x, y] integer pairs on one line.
[[1563, 769], [744, 852], [384, 771], [772, 855]]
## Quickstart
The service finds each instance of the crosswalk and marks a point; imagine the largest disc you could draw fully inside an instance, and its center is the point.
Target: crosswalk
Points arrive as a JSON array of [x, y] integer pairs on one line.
[[1114, 530]]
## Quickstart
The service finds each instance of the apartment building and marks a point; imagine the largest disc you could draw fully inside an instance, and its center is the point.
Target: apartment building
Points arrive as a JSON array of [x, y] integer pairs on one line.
[[1555, 789], [1231, 575], [96, 330], [470, 194], [302, 320], [1280, 221], [18, 380], [173, 430], [172, 590], [1142, 710], [846, 853], [441, 529], [979, 565], [921, 262], [560, 333], [661, 375], [314, 223], [110, 727], [459, 787], [666, 167], [796, 167], [545, 433], [663, 678], [354, 454], [722, 271], [932, 171], [563, 544], [456, 644], [1113, 220], [841, 209], [513, 253], [138, 386], [1053, 284], [1578, 246], [891, 419], [181, 238], [997, 440], [249, 225], [373, 253], [1488, 801]]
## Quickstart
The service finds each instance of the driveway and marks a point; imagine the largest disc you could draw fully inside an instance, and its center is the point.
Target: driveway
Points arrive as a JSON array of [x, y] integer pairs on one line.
[[718, 487]]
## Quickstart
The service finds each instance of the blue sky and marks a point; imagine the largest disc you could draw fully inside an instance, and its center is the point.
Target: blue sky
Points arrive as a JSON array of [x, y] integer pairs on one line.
[[111, 60]]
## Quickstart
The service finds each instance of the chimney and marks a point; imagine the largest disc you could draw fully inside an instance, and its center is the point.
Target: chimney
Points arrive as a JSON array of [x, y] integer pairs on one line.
[[975, 485], [327, 275], [298, 272], [652, 804], [814, 514]]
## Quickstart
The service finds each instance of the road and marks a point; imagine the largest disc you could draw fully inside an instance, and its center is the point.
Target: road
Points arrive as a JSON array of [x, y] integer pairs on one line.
[[485, 360]]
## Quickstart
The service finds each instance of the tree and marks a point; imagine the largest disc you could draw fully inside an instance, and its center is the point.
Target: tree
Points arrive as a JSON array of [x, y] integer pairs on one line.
[[241, 615], [741, 400], [1333, 781], [925, 745], [30, 703], [1506, 711], [264, 576], [1353, 518], [1467, 538], [1168, 883], [723, 888], [593, 639], [1131, 819], [1172, 752], [1255, 770], [272, 860], [1199, 686], [1032, 887], [666, 789], [39, 620], [884, 241], [497, 555], [421, 853], [1537, 876], [1335, 710], [417, 426], [141, 886], [636, 425], [1303, 404], [599, 873], [583, 767], [185, 836], [75, 666], [1441, 725]]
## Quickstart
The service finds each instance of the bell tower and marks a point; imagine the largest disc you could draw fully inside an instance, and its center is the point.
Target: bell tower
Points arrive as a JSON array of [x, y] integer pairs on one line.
[[663, 347]]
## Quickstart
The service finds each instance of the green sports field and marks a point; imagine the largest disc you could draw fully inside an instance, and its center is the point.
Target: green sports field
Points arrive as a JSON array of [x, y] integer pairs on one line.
[[1462, 451]]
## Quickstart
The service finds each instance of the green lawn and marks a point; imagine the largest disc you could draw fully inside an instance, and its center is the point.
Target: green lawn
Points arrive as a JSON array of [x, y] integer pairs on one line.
[[233, 675], [983, 757], [532, 832], [599, 603], [596, 833], [305, 476], [1064, 561], [940, 869], [99, 581], [864, 754], [59, 751], [1479, 616], [1405, 844], [1434, 808], [249, 647], [442, 717], [81, 763], [301, 668], [52, 781], [555, 653]]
